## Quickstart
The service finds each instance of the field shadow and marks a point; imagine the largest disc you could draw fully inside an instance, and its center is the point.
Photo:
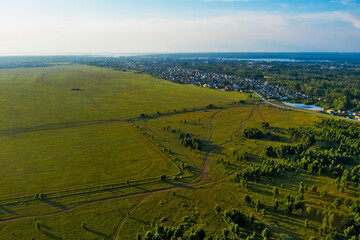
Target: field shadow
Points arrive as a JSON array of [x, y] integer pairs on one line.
[[51, 236], [180, 185], [141, 188], [182, 196], [283, 217], [100, 234], [7, 210], [43, 226], [194, 169], [208, 146], [139, 220], [54, 203], [260, 189]]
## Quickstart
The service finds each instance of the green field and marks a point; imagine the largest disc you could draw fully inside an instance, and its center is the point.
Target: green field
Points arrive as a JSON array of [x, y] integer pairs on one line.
[[107, 173]]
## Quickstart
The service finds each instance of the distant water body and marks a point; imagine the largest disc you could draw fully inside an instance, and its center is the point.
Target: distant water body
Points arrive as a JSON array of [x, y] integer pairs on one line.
[[283, 57], [272, 60], [303, 106]]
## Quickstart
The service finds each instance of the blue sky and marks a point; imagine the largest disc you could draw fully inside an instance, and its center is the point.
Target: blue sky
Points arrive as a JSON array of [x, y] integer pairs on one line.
[[140, 26]]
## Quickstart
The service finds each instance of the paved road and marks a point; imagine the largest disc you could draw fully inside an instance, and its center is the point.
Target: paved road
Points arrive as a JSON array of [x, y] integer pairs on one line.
[[300, 110]]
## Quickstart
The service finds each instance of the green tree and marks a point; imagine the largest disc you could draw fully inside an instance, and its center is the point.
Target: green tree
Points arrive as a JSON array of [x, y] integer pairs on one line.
[[37, 225], [257, 205], [275, 204], [138, 236], [275, 191], [337, 203], [163, 178], [248, 199], [217, 209], [83, 224], [265, 233]]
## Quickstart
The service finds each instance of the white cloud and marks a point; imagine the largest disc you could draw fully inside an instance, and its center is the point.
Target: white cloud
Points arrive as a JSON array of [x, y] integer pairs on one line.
[[349, 18], [346, 2], [238, 31]]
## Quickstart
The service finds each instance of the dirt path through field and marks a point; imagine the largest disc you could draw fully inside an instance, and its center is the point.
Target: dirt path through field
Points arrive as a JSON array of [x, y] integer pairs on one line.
[[204, 176]]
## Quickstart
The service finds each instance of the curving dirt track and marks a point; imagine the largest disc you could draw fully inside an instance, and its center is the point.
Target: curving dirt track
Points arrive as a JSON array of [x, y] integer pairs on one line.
[[205, 175], [209, 155], [202, 180]]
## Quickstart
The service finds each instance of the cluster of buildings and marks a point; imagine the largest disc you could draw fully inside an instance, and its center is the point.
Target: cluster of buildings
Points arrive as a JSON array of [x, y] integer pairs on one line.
[[273, 91], [349, 114], [174, 72]]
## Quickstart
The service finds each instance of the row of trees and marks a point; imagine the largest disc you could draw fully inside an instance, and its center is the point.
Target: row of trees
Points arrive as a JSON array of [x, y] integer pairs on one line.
[[186, 139], [268, 168], [234, 218], [253, 133]]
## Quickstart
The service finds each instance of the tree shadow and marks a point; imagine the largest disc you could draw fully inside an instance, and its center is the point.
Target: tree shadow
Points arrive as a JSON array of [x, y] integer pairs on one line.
[[138, 220], [100, 234], [43, 226], [141, 188], [180, 185], [208, 146], [7, 210], [286, 218], [260, 189], [194, 169], [182, 196], [51, 236], [54, 203]]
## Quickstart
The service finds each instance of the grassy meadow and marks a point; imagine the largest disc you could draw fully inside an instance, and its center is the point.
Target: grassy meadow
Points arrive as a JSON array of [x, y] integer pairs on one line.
[[100, 165]]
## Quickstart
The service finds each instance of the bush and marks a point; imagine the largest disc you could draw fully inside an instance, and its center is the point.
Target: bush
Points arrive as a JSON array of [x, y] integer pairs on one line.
[[83, 225], [248, 199], [265, 233], [217, 209], [163, 178]]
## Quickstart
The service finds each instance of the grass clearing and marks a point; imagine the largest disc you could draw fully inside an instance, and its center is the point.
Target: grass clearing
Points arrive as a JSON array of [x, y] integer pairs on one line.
[[83, 146]]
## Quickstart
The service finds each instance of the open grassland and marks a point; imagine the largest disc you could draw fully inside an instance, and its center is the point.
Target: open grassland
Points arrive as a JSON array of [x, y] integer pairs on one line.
[[40, 96], [79, 146], [99, 164], [63, 159]]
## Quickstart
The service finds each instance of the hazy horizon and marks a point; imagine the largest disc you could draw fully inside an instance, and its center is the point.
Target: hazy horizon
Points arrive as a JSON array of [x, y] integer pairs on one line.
[[178, 26], [150, 53]]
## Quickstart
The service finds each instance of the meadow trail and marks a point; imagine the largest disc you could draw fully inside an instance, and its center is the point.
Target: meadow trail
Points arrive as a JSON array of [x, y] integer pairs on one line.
[[56, 126], [97, 105], [123, 220], [209, 154], [211, 119], [205, 171], [145, 195], [202, 180], [260, 113], [180, 150]]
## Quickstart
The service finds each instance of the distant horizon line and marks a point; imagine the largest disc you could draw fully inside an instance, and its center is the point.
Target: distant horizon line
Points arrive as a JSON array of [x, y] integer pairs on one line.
[[109, 54]]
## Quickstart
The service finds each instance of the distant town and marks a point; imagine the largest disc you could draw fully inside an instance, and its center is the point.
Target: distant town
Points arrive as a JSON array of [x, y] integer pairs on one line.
[[173, 72], [183, 71], [170, 70]]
